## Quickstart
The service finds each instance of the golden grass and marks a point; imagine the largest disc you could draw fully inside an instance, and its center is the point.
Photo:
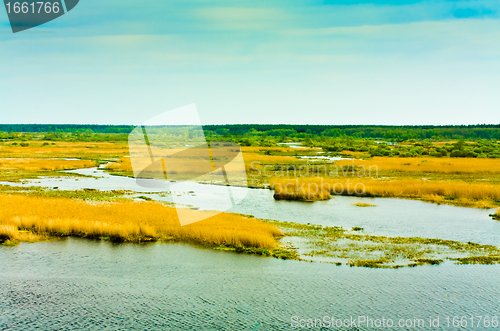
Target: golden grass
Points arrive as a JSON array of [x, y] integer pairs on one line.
[[127, 221], [252, 160], [8, 231], [125, 164], [363, 204], [256, 149], [12, 233], [432, 165], [182, 166], [268, 159], [449, 142], [477, 195], [351, 153], [61, 149], [295, 189], [44, 164]]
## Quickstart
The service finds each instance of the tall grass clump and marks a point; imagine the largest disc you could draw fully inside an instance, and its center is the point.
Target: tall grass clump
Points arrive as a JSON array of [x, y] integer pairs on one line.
[[128, 221], [299, 190], [30, 164], [8, 232], [429, 164], [478, 195], [66, 149]]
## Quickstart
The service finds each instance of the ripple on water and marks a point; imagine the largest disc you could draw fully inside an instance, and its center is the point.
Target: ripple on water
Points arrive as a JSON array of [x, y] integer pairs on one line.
[[77, 284]]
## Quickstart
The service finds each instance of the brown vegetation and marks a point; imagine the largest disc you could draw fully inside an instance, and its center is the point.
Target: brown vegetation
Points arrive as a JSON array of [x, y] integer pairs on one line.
[[430, 165], [478, 195], [43, 164], [126, 221]]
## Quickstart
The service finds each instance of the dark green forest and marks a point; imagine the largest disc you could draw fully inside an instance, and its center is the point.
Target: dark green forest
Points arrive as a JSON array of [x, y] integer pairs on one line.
[[477, 141], [289, 131]]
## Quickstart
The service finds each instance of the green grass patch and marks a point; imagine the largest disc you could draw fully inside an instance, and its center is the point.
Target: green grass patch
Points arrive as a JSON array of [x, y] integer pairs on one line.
[[478, 260], [327, 243], [278, 253], [84, 194]]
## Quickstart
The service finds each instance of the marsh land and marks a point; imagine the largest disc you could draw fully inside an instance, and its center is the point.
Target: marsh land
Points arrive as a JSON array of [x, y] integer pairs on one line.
[[42, 200]]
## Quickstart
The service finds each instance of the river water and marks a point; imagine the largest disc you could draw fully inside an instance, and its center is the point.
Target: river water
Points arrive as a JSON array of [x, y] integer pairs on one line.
[[77, 284]]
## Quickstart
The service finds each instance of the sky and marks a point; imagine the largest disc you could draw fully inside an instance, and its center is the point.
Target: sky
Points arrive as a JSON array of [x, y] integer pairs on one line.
[[386, 62]]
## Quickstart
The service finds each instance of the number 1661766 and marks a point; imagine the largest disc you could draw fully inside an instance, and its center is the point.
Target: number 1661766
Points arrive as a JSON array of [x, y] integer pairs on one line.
[[33, 8]]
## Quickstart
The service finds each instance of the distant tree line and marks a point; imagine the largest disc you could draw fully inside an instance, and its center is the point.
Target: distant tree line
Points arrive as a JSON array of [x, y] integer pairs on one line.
[[383, 132], [68, 128], [249, 133]]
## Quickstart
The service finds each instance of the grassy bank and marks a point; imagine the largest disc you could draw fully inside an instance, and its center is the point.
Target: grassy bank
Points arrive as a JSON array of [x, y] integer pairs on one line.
[[428, 165], [16, 169], [84, 194], [28, 218], [363, 204], [64, 149], [30, 164], [477, 195]]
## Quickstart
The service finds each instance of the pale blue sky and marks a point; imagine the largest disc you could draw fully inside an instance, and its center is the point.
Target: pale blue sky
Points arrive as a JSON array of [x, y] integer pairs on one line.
[[308, 62]]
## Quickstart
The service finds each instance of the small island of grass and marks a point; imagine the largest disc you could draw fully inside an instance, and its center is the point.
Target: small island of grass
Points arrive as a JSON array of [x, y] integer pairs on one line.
[[363, 204]]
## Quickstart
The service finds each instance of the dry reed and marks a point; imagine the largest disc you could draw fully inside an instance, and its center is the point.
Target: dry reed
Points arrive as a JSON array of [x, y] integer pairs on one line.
[[127, 221], [63, 149], [363, 204], [256, 149], [352, 153], [44, 164], [478, 195], [267, 159], [431, 165]]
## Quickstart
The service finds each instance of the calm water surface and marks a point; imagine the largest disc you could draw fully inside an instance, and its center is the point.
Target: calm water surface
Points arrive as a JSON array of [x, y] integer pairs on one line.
[[77, 284]]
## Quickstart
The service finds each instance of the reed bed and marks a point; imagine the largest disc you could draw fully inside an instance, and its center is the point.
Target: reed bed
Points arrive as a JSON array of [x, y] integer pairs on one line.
[[128, 221], [268, 159], [256, 149], [299, 190], [431, 165], [44, 164], [363, 204], [441, 143], [177, 169], [252, 160], [124, 165], [352, 153], [61, 149], [478, 195]]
